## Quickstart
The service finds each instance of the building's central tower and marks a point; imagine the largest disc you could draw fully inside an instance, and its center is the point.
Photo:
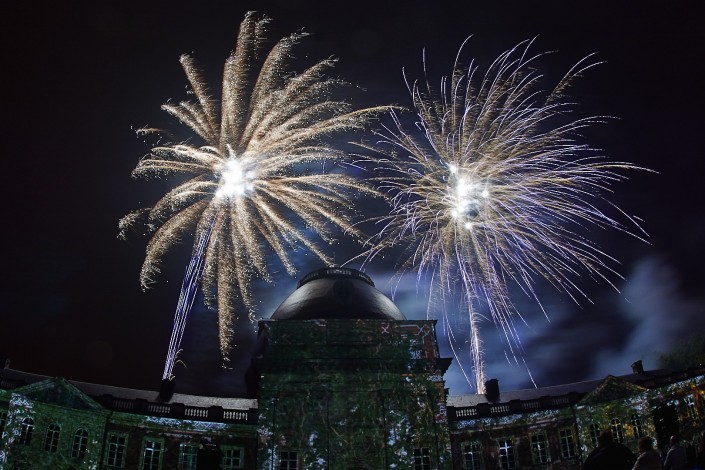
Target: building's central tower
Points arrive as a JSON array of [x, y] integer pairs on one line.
[[346, 382]]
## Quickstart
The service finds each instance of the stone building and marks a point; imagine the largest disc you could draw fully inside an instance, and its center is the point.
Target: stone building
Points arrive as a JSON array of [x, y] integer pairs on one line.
[[340, 379]]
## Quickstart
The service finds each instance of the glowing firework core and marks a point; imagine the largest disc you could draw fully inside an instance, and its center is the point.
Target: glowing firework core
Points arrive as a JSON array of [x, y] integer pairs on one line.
[[494, 193], [235, 179], [466, 196], [267, 123]]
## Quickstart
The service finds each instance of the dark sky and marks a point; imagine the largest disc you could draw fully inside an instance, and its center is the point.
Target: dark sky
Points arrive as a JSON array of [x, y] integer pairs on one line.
[[78, 78]]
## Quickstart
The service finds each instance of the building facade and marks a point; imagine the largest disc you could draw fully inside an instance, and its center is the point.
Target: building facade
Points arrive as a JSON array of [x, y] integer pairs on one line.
[[341, 380]]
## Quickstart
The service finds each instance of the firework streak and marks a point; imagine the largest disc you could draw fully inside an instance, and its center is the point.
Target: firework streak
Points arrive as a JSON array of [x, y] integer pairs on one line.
[[494, 189], [257, 186]]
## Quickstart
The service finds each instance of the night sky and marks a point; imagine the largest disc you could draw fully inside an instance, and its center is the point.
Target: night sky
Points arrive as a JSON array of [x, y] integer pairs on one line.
[[78, 79]]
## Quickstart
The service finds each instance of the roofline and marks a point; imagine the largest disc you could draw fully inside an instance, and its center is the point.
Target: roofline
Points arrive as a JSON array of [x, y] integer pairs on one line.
[[147, 402], [542, 399]]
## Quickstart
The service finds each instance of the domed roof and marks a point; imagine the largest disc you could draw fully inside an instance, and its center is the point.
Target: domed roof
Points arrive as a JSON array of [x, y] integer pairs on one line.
[[337, 293]]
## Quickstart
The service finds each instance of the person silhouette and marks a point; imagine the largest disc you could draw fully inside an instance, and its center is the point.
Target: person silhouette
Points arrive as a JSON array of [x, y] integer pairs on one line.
[[609, 454], [648, 459], [676, 458]]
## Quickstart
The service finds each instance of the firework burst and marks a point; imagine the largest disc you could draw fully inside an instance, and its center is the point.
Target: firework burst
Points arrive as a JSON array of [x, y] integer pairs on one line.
[[494, 189], [257, 184]]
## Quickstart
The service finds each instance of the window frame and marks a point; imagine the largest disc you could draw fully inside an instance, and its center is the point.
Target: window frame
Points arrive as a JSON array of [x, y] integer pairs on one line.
[[192, 464], [240, 456], [617, 430], [52, 446], [566, 438], [3, 421], [26, 431], [690, 406], [594, 429], [507, 454], [292, 456], [540, 448], [159, 452], [422, 458], [79, 451], [637, 426], [476, 453], [118, 445]]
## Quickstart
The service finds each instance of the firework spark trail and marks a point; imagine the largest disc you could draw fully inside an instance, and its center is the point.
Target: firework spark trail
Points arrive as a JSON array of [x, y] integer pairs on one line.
[[494, 191], [189, 287], [256, 189]]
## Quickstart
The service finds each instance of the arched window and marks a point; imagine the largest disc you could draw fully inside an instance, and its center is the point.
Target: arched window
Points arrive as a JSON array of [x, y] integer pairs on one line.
[[690, 406], [80, 442], [594, 433], [51, 439], [26, 430], [636, 425], [617, 430]]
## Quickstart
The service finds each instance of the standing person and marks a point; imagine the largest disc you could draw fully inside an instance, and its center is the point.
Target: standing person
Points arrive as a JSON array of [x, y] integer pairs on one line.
[[648, 459], [675, 457], [609, 455]]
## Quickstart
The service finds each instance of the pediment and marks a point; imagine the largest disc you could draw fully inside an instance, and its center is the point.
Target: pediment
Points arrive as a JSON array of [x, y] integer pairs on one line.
[[58, 391], [611, 389]]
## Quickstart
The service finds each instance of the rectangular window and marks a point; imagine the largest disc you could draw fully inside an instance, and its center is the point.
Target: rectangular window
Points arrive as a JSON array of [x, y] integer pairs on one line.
[[539, 448], [567, 443], [188, 456], [117, 444], [422, 458], [288, 460], [151, 454], [233, 458], [472, 456], [506, 454]]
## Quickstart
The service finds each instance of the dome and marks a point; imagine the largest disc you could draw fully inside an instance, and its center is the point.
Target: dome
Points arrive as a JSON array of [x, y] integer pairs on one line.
[[337, 293]]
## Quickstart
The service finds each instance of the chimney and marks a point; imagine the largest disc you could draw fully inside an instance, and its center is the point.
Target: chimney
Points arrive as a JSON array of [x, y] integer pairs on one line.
[[637, 367], [166, 389], [492, 390]]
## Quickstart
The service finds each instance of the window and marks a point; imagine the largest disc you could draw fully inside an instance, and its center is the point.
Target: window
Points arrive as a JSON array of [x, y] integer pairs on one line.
[[3, 421], [117, 444], [26, 430], [233, 458], [636, 426], [539, 448], [690, 406], [567, 439], [422, 458], [51, 439], [151, 454], [188, 456], [506, 453], [617, 430], [594, 433], [472, 456], [288, 460], [80, 441]]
